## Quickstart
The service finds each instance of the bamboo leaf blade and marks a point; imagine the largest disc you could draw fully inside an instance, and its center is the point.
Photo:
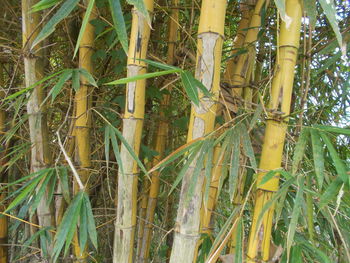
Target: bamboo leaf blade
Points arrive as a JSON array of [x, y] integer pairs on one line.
[[119, 23], [65, 9]]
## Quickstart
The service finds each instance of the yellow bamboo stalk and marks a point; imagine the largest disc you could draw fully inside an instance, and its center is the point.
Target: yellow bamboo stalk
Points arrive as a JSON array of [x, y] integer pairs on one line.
[[237, 77], [271, 157], [3, 219], [83, 118], [161, 139], [210, 39], [34, 71], [132, 131]]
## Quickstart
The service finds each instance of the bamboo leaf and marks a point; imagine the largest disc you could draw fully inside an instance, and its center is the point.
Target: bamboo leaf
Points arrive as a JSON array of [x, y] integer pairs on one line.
[[83, 228], [239, 242], [268, 176], [66, 75], [69, 222], [90, 221], [27, 190], [338, 163], [63, 176], [65, 9], [317, 151], [330, 193], [116, 150], [295, 214], [119, 23], [209, 170], [76, 80], [234, 167], [89, 78], [130, 150], [44, 4], [41, 191], [247, 146], [143, 76], [160, 65], [190, 89], [83, 25], [310, 8], [344, 131], [330, 12], [300, 149]]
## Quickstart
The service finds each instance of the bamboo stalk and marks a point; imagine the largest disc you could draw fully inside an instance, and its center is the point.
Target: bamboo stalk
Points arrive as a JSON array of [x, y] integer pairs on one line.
[[237, 76], [3, 219], [83, 118], [210, 39], [271, 157], [162, 135], [132, 131], [34, 71]]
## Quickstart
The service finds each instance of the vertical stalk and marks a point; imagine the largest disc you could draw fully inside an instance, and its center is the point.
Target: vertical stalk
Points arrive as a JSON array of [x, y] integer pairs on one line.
[[132, 130], [271, 156], [210, 39], [3, 179], [160, 140], [83, 117], [34, 71], [239, 73]]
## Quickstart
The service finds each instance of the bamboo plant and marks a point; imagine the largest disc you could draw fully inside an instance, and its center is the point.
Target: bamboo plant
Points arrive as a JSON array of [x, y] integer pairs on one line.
[[202, 121], [276, 127], [132, 130]]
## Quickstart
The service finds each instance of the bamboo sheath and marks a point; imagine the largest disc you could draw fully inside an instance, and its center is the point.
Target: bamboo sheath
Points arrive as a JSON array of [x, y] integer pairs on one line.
[[83, 118], [160, 144], [34, 71], [271, 157], [3, 219], [132, 131], [210, 39]]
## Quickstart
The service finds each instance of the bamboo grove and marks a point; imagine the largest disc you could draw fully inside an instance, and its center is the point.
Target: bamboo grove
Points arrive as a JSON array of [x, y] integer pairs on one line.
[[174, 131]]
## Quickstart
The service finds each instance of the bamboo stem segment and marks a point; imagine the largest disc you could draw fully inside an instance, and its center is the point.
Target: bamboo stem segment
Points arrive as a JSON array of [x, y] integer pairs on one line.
[[132, 130], [34, 71], [210, 39], [276, 127]]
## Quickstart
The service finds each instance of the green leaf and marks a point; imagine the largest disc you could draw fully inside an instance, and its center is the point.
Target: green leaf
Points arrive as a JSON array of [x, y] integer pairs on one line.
[[333, 129], [310, 8], [89, 78], [41, 191], [83, 25], [247, 146], [300, 149], [44, 4], [330, 193], [119, 23], [130, 150], [65, 9], [317, 151], [295, 214], [268, 176], [76, 80], [66, 75], [116, 150], [190, 88], [330, 12], [68, 225], [239, 242], [63, 176], [160, 65], [338, 163], [234, 167], [27, 191], [83, 228], [90, 221], [143, 76]]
